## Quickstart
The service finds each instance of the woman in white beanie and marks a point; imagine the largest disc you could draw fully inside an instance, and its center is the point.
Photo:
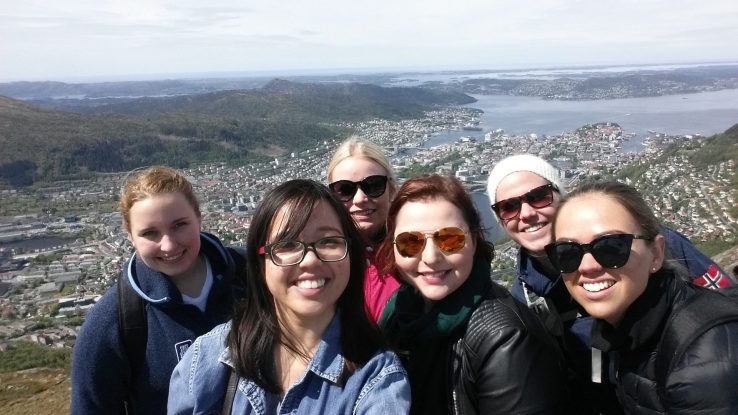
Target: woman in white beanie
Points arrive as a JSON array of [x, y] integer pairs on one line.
[[525, 192]]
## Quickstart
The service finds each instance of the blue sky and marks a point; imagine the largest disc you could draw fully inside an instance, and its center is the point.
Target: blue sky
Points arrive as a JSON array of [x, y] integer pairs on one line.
[[82, 40]]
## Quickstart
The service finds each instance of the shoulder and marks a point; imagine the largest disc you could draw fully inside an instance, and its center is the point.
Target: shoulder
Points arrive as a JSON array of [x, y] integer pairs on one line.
[[498, 310], [707, 372], [385, 386], [101, 321], [206, 359]]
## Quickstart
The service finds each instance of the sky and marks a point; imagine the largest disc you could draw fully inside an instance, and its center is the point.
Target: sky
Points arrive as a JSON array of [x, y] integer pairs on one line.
[[110, 40]]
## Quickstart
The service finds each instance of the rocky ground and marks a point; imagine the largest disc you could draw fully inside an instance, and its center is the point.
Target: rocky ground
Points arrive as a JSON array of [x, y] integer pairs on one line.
[[34, 392]]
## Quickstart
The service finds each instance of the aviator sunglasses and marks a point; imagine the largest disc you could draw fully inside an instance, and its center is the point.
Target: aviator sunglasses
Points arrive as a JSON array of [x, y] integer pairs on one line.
[[538, 197], [449, 240], [611, 251], [372, 186]]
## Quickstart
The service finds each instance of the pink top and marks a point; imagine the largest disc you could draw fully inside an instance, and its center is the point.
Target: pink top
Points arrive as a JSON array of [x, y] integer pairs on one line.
[[377, 289]]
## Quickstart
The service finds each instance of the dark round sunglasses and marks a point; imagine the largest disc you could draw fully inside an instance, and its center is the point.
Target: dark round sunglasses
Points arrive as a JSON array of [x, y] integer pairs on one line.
[[449, 240], [372, 186], [538, 197], [611, 251]]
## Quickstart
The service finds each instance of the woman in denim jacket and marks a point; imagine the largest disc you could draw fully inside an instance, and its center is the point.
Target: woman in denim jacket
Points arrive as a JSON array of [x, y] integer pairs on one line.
[[299, 341]]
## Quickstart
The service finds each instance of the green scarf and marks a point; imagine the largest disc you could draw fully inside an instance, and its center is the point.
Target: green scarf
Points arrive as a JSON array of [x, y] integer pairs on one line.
[[403, 318]]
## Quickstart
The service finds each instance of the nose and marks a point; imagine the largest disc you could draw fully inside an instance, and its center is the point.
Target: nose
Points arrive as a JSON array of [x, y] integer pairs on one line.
[[431, 254], [310, 258], [589, 264], [527, 211], [167, 243], [360, 197]]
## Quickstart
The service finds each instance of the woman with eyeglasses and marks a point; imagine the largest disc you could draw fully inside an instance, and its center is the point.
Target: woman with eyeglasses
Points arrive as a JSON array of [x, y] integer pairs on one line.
[[467, 345], [361, 177], [299, 342], [610, 251], [525, 192]]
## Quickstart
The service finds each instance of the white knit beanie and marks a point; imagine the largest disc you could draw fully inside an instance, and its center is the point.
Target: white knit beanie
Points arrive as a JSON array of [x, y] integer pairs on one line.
[[522, 162]]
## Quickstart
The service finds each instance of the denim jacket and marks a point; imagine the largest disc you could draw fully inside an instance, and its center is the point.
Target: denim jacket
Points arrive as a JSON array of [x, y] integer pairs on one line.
[[200, 380]]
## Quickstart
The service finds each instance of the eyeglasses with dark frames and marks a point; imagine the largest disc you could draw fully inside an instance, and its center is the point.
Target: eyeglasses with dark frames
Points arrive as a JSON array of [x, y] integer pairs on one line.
[[538, 197], [287, 253], [372, 186], [611, 251]]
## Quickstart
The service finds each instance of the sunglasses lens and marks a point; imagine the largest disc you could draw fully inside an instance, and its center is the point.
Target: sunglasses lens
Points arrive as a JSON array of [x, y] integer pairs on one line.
[[450, 240], [409, 244], [374, 186], [612, 251], [343, 189], [540, 197], [508, 209], [567, 255]]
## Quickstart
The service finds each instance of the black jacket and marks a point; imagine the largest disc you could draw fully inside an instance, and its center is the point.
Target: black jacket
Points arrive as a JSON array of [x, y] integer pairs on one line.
[[705, 381], [499, 360]]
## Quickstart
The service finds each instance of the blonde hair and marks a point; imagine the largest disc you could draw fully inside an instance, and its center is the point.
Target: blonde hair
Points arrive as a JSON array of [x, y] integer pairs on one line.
[[355, 146], [152, 181]]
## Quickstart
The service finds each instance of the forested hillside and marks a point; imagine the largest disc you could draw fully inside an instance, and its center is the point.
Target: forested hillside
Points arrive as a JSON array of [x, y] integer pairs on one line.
[[229, 126]]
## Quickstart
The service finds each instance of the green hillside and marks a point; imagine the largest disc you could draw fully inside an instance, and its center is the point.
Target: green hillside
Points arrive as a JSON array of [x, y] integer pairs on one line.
[[230, 126]]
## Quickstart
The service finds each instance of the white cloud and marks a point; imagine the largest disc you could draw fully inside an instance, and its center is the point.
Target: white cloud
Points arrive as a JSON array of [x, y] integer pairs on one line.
[[42, 39]]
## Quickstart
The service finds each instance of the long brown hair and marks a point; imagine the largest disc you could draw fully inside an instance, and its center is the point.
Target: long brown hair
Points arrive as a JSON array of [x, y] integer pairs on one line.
[[255, 330]]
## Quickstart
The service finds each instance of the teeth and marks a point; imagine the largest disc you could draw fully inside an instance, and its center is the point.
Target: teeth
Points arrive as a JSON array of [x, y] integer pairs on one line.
[[311, 283], [362, 212], [172, 258], [437, 274], [535, 227], [594, 287]]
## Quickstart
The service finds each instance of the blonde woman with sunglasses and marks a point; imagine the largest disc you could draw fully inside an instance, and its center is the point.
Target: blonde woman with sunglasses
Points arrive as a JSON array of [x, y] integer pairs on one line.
[[361, 177], [467, 345]]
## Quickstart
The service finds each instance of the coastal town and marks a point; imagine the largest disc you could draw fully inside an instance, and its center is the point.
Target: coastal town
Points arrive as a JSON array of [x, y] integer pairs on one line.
[[46, 288]]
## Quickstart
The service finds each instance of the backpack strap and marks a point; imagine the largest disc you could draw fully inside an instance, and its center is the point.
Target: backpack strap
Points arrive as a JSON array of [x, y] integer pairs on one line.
[[230, 392], [133, 330], [695, 316]]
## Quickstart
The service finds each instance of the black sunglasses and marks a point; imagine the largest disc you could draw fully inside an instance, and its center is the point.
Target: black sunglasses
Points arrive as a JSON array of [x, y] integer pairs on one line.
[[372, 186], [538, 197], [611, 251]]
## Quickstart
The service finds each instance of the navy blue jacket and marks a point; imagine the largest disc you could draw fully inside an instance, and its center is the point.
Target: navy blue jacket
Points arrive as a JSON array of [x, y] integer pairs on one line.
[[576, 324], [100, 367]]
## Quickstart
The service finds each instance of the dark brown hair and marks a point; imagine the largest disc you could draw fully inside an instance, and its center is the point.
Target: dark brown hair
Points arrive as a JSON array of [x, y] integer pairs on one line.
[[255, 330]]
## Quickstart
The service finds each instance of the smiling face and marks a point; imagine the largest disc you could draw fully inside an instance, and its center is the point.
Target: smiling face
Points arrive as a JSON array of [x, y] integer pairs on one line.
[[606, 293], [531, 229], [165, 231], [433, 273], [370, 214], [308, 290]]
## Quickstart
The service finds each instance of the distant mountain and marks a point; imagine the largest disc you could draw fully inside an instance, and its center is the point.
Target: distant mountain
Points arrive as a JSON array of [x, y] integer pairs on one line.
[[230, 126]]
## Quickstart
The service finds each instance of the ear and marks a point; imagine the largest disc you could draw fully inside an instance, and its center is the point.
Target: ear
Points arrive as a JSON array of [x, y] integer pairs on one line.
[[658, 248], [130, 239]]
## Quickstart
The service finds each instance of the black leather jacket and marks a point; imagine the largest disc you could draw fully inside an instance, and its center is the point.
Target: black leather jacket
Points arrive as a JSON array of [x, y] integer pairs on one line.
[[500, 361], [506, 363], [705, 381]]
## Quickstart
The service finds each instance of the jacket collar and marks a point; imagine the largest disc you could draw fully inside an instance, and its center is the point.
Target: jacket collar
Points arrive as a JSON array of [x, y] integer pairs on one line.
[[404, 316], [155, 287], [328, 363], [644, 320], [530, 273]]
